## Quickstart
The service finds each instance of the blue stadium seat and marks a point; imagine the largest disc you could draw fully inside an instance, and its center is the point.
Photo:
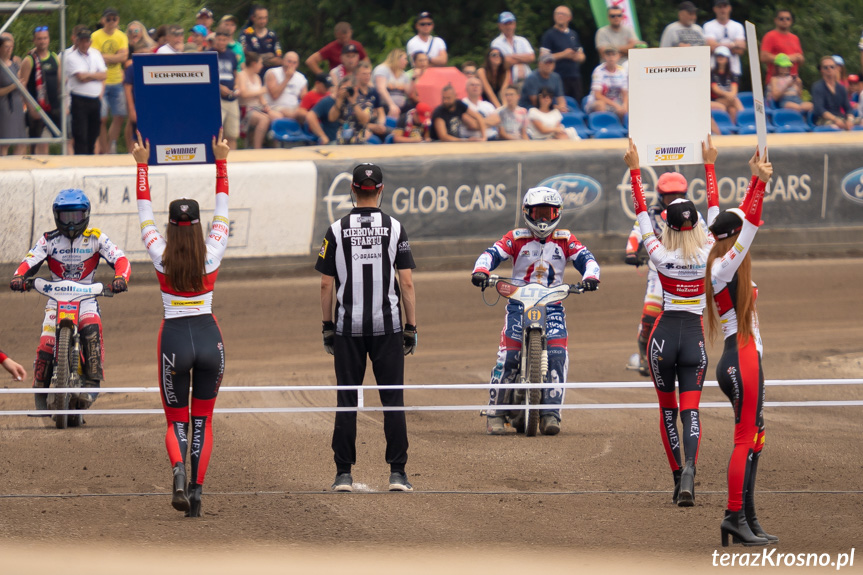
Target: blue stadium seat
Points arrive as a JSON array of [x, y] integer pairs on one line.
[[289, 131], [787, 121], [605, 125], [576, 120], [389, 139], [723, 121], [391, 123], [858, 128], [572, 104], [584, 102], [374, 140], [746, 99]]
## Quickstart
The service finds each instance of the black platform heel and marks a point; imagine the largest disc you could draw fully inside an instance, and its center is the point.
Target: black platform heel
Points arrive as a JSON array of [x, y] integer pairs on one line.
[[179, 499], [756, 528], [686, 495], [735, 525], [194, 500]]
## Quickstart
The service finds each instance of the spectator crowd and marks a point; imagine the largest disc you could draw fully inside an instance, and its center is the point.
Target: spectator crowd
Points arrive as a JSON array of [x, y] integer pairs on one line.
[[519, 91]]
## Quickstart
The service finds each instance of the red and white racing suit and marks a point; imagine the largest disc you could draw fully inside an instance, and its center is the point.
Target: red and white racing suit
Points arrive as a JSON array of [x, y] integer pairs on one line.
[[76, 260], [541, 261], [675, 348], [739, 370], [190, 342]]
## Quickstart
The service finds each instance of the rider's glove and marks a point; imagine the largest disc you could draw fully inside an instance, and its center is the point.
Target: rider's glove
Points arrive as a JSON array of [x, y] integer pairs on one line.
[[119, 285], [643, 259], [631, 259], [410, 333], [479, 279], [18, 284], [590, 284], [329, 335]]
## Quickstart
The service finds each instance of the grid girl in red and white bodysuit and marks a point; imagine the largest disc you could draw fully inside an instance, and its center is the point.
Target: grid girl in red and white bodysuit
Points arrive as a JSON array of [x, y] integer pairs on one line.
[[190, 342], [731, 297], [675, 348]]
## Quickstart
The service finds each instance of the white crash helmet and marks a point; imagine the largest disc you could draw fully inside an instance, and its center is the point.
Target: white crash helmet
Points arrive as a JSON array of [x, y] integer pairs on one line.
[[541, 208]]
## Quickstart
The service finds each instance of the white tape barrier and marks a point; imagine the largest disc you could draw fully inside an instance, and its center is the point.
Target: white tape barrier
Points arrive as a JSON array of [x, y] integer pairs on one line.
[[363, 408]]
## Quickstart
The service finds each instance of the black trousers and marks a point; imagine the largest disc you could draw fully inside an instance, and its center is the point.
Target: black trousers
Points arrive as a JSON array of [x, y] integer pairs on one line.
[[572, 87], [388, 361], [86, 122]]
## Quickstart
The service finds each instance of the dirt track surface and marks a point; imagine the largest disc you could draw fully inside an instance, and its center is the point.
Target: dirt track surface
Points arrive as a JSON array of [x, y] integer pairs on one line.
[[596, 495]]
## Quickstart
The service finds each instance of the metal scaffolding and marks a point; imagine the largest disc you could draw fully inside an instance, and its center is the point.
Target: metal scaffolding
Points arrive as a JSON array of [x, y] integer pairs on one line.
[[16, 8]]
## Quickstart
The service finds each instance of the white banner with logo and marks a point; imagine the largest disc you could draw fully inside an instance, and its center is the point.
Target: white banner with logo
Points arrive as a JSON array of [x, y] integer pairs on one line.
[[669, 104]]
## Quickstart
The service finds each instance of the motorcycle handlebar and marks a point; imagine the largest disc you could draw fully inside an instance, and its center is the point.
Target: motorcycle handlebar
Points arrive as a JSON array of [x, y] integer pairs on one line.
[[573, 288], [106, 292]]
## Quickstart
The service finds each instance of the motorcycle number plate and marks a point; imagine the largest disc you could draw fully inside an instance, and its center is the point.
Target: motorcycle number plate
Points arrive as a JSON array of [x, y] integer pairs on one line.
[[534, 314], [67, 315]]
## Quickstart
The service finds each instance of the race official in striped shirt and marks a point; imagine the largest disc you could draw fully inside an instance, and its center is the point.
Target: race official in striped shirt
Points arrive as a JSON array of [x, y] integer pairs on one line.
[[366, 260]]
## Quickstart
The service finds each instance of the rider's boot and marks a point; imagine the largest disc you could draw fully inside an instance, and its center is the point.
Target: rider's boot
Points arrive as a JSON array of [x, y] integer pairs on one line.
[[642, 356], [43, 369], [194, 493], [549, 424], [495, 425], [91, 342], [179, 499]]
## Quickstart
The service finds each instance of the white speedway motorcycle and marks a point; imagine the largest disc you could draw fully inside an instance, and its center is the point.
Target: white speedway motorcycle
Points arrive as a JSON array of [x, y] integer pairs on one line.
[[534, 297], [67, 351]]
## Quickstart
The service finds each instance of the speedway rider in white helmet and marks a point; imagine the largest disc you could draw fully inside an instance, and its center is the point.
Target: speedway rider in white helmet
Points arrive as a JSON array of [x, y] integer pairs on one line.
[[539, 254]]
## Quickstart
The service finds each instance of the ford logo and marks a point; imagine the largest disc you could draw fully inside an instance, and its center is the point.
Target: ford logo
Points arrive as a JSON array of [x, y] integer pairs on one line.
[[578, 191], [852, 186]]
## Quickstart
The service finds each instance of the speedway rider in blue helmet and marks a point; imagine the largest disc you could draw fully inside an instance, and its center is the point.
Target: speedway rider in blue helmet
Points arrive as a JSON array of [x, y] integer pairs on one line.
[[539, 253], [73, 251]]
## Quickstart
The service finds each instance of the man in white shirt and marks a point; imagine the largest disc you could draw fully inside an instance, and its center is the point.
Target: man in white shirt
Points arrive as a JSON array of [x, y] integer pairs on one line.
[[86, 72], [425, 42], [486, 109], [285, 86], [175, 41], [723, 31], [517, 51]]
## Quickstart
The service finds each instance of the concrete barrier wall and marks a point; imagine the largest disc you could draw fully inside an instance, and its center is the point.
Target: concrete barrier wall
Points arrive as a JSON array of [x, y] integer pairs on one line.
[[271, 206], [449, 196]]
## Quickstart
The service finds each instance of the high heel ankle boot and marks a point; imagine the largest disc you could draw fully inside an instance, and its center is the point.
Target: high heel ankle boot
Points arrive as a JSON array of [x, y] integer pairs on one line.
[[194, 500], [686, 495], [179, 499], [756, 528], [676, 493], [735, 525]]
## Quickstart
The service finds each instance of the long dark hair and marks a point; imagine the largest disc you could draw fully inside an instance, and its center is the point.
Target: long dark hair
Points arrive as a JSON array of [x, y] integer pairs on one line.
[[495, 74], [185, 257], [745, 303]]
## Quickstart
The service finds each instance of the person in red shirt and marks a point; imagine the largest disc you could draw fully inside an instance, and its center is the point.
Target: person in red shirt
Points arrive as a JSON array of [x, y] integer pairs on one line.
[[317, 93], [781, 41], [332, 52]]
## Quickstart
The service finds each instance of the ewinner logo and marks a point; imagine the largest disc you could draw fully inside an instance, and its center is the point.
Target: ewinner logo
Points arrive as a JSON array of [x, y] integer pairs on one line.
[[181, 154], [670, 154], [191, 74]]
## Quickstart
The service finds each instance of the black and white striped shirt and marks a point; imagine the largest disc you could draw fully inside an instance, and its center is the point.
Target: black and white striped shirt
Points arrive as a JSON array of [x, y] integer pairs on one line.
[[363, 251]]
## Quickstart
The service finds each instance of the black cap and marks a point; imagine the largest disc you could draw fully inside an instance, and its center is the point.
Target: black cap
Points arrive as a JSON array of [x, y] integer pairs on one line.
[[184, 212], [110, 12], [365, 172], [681, 215], [688, 6], [423, 15], [324, 79], [84, 34], [727, 223], [721, 2], [350, 49]]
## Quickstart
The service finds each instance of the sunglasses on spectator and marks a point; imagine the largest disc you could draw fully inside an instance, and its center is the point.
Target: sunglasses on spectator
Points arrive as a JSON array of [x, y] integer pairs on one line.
[[425, 23], [41, 29], [545, 95], [615, 15], [784, 18], [111, 18], [494, 55]]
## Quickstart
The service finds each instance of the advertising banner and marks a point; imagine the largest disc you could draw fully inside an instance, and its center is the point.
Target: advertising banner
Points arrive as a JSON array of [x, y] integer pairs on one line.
[[452, 198], [669, 104], [178, 105]]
